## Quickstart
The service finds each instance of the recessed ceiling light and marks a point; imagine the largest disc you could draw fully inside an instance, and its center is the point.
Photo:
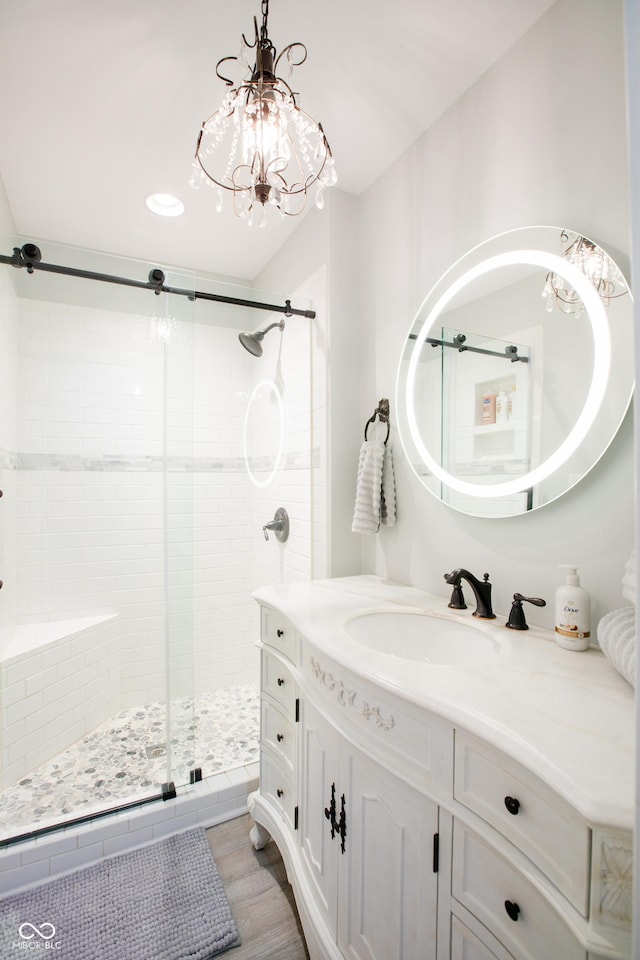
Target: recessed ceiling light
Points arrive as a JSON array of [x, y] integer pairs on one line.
[[165, 204]]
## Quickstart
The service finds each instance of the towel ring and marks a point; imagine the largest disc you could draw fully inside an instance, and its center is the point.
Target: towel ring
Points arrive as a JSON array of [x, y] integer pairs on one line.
[[382, 412]]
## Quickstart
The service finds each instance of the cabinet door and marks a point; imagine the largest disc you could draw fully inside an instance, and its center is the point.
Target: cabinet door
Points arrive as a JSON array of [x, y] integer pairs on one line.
[[319, 771], [387, 883]]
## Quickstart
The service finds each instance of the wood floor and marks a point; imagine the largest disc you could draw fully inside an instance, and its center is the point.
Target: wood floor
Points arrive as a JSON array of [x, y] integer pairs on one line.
[[261, 899]]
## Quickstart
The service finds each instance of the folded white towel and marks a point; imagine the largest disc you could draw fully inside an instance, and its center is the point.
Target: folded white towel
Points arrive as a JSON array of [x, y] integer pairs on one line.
[[366, 514], [629, 579], [388, 494], [617, 639]]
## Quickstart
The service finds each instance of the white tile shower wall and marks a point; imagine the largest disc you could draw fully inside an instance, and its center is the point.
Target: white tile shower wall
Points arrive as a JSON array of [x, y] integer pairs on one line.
[[8, 447], [55, 688], [224, 651], [91, 491], [287, 363]]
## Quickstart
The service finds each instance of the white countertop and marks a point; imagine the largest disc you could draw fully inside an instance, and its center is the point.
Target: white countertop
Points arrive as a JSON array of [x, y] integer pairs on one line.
[[567, 716]]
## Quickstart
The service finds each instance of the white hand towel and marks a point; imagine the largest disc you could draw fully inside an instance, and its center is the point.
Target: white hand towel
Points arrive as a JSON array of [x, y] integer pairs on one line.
[[388, 496], [366, 515], [617, 639], [629, 579]]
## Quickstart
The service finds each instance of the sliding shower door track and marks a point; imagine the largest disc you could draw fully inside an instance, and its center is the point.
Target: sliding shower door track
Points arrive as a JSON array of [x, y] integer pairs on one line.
[[29, 257], [88, 818]]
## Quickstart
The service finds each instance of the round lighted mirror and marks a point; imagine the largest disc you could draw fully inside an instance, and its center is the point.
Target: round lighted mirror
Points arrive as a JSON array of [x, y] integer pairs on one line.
[[517, 371], [264, 433]]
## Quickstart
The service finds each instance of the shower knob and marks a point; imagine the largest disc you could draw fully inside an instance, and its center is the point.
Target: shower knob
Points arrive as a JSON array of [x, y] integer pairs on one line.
[[279, 525]]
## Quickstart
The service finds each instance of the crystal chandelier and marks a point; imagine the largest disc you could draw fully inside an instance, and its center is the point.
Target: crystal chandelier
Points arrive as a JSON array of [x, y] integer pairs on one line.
[[260, 146], [599, 269]]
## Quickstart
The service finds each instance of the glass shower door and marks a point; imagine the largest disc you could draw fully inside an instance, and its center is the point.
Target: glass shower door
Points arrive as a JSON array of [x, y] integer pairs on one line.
[[98, 650]]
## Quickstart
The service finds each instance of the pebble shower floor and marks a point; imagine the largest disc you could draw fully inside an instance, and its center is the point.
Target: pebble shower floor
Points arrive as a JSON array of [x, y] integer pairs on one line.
[[125, 758]]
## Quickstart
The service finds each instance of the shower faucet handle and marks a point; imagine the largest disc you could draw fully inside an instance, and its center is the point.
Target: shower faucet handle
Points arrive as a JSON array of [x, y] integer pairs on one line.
[[279, 525]]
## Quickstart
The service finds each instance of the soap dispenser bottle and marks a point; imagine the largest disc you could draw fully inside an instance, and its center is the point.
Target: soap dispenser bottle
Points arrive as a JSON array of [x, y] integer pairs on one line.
[[573, 612]]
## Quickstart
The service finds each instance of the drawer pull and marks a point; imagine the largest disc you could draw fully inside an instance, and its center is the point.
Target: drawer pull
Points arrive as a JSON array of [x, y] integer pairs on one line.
[[512, 909], [280, 681], [512, 805], [280, 792], [280, 737], [279, 632]]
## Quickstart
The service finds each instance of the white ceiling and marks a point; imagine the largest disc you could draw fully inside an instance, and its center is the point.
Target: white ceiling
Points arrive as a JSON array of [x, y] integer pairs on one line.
[[102, 102]]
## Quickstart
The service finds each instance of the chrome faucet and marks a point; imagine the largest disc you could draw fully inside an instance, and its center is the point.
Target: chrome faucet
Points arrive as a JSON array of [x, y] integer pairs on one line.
[[481, 590]]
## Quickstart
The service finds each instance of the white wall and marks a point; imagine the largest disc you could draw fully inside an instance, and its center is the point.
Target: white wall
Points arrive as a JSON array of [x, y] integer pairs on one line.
[[541, 138], [321, 259], [632, 26], [8, 386]]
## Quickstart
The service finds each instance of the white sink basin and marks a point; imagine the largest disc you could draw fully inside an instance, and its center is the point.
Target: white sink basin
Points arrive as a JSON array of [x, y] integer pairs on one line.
[[420, 637]]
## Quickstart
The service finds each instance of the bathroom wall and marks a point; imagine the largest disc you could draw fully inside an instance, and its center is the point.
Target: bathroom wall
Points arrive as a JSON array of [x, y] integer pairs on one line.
[[286, 418], [321, 260], [632, 30], [8, 445], [529, 143], [540, 139]]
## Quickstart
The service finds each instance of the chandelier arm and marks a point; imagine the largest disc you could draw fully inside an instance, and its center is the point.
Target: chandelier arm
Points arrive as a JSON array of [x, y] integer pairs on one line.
[[228, 82], [291, 46], [290, 91]]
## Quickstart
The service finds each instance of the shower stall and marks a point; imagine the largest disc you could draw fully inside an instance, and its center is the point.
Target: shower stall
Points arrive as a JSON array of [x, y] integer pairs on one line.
[[141, 452]]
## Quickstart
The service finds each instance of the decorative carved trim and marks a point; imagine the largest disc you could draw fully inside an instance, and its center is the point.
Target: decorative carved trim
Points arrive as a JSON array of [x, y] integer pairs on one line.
[[616, 882], [349, 698]]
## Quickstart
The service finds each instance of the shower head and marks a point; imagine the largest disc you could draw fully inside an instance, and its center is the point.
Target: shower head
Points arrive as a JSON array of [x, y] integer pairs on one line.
[[253, 341]]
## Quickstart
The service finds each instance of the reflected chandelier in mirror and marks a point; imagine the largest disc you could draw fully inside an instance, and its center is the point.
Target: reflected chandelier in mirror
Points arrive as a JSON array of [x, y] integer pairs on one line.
[[504, 405]]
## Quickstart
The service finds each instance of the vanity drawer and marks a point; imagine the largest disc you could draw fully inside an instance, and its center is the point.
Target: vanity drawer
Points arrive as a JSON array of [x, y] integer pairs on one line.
[[278, 734], [277, 787], [276, 631], [507, 902], [278, 682], [526, 811], [465, 945]]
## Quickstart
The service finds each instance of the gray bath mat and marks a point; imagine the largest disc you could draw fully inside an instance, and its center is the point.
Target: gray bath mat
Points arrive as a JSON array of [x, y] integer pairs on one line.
[[164, 901]]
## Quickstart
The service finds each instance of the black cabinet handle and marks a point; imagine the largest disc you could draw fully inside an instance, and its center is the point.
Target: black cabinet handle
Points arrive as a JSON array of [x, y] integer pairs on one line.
[[342, 826], [279, 737], [279, 633], [330, 812], [280, 681], [512, 805], [280, 792], [512, 909]]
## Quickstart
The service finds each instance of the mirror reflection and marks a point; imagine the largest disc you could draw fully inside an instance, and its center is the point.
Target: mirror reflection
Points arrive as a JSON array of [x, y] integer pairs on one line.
[[516, 372]]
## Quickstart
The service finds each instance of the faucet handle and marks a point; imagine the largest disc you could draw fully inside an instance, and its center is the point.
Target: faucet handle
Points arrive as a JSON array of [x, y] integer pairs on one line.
[[279, 525], [457, 598], [516, 619]]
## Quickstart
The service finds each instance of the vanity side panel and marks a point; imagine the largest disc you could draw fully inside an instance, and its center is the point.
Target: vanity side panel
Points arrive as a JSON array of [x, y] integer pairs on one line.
[[612, 884]]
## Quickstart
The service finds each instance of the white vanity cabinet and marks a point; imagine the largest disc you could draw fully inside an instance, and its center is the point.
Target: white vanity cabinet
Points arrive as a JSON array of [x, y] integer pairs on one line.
[[409, 836]]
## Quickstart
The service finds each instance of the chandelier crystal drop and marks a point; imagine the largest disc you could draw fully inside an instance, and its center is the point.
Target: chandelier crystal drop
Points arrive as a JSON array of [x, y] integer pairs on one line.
[[259, 146], [596, 265]]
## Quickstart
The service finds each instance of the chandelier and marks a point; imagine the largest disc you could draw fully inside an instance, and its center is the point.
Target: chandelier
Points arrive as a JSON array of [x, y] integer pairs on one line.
[[597, 267], [259, 146]]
